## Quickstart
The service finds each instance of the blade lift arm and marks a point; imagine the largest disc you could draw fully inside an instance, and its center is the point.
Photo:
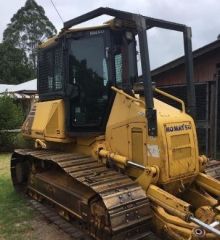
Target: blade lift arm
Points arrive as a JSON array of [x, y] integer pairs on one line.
[[158, 196]]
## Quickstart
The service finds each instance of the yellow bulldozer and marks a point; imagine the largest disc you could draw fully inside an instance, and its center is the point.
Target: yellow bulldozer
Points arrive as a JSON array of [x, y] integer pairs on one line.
[[107, 151]]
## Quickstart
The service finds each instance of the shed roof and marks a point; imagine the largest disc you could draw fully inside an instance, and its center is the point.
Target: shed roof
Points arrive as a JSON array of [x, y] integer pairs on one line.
[[30, 86], [197, 53], [5, 87]]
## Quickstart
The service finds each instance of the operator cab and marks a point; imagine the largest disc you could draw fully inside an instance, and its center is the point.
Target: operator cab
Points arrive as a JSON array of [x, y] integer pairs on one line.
[[81, 66]]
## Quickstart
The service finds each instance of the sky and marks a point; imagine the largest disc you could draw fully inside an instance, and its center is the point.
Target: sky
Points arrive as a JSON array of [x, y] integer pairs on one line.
[[201, 15]]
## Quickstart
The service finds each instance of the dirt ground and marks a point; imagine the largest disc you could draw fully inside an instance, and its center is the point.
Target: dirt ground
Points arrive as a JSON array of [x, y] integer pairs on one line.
[[44, 230]]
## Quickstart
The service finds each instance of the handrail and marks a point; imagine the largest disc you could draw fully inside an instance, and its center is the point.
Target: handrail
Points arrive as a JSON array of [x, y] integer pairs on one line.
[[156, 90], [171, 97], [127, 95]]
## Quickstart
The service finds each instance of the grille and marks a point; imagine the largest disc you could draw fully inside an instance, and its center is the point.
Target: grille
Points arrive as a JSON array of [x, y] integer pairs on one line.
[[50, 74], [180, 140]]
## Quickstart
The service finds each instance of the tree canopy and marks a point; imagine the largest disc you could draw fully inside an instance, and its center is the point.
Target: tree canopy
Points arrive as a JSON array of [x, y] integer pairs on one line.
[[27, 28], [14, 65]]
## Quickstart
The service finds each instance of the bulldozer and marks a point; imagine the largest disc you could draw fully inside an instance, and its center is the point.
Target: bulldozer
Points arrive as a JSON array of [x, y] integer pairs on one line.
[[107, 151]]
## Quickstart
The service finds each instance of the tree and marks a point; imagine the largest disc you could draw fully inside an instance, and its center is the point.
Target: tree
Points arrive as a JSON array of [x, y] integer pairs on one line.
[[14, 66], [27, 28]]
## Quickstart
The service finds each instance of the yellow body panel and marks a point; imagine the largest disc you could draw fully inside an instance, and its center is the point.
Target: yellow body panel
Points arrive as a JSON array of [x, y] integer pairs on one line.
[[49, 122], [174, 150]]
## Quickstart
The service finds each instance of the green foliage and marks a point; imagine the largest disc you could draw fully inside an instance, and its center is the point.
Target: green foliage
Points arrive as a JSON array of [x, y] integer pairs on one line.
[[14, 66], [27, 28], [11, 117]]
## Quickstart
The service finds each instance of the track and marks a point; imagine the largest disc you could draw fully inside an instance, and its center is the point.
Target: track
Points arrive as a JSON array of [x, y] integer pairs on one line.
[[213, 169], [107, 203], [73, 229]]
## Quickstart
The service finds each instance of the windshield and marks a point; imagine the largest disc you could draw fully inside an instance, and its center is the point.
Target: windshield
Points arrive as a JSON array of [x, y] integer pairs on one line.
[[88, 73]]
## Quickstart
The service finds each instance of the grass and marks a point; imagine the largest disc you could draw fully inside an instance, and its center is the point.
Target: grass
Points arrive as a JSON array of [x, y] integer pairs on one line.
[[15, 214]]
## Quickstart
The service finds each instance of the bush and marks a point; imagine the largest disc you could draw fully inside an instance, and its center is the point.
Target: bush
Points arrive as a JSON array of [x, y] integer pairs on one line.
[[11, 117]]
